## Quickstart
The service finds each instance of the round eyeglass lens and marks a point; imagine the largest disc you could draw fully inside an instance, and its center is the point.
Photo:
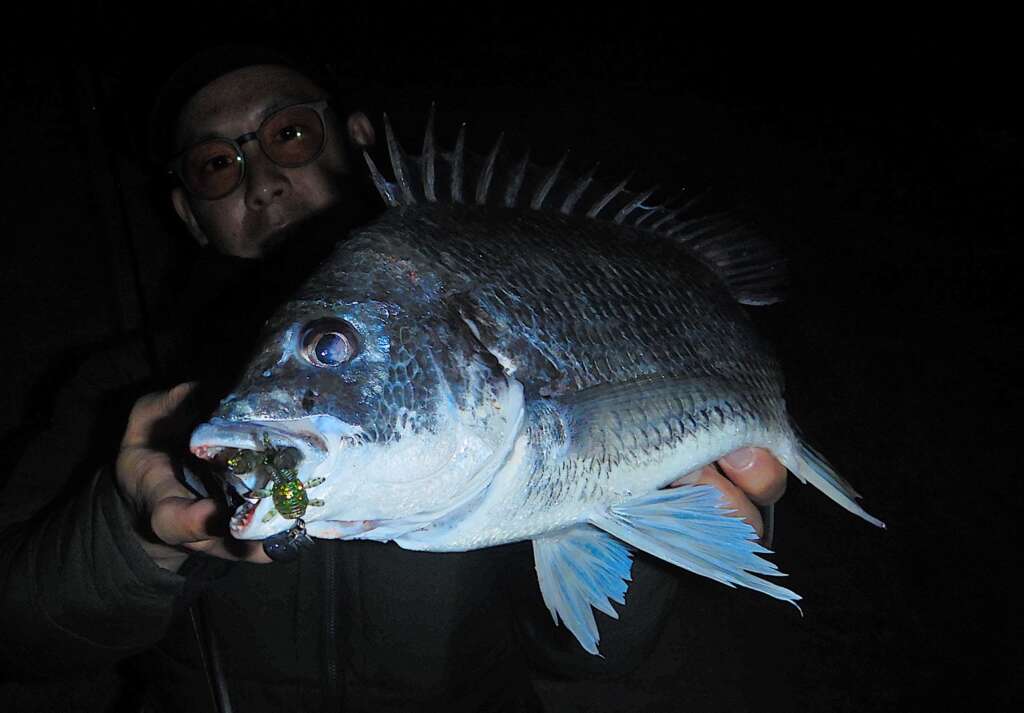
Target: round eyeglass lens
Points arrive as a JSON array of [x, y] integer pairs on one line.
[[293, 136], [212, 169]]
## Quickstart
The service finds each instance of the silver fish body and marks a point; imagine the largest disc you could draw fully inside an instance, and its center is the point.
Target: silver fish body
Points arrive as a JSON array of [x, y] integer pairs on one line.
[[460, 376]]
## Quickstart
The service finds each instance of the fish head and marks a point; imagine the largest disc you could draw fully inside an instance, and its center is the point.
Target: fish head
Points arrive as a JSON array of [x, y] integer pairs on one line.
[[369, 394]]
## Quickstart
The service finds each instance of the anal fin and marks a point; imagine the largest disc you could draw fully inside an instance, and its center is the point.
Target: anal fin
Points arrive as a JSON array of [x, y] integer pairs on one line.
[[577, 569], [688, 527]]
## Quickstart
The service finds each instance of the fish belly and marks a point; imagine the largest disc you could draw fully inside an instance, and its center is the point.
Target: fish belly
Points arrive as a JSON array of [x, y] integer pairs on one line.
[[546, 486]]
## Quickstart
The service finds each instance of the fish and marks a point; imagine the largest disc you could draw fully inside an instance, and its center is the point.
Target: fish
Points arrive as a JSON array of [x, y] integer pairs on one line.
[[513, 353]]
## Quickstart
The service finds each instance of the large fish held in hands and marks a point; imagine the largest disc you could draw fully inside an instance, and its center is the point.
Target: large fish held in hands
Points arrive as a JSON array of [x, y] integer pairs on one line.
[[510, 354]]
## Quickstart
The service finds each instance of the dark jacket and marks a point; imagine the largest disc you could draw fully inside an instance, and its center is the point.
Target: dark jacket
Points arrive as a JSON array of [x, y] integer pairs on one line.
[[348, 626]]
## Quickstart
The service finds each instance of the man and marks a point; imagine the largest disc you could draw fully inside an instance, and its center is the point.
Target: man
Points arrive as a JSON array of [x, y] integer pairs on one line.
[[110, 572]]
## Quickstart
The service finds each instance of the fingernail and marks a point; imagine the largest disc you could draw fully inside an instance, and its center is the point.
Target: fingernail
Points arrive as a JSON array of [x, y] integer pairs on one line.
[[741, 459], [687, 479]]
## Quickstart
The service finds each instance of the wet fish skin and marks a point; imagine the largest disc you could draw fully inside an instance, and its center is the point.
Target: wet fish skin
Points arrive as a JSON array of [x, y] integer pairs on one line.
[[642, 316], [523, 374]]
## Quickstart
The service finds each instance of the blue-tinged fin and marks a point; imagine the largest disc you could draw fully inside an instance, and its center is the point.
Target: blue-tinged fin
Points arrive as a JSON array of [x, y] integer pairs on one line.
[[633, 204], [580, 569], [811, 467], [659, 209], [689, 527]]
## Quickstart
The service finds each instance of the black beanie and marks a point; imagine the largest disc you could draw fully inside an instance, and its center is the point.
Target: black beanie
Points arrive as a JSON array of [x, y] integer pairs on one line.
[[206, 66]]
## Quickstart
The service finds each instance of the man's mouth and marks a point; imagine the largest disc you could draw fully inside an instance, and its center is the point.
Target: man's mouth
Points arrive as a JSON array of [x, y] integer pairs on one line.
[[276, 235], [273, 229]]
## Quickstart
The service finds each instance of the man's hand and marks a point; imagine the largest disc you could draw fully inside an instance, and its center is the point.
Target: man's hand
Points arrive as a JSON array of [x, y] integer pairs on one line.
[[752, 477], [171, 521]]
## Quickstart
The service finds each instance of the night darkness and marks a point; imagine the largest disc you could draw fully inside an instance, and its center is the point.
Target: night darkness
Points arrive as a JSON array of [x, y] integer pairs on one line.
[[880, 156]]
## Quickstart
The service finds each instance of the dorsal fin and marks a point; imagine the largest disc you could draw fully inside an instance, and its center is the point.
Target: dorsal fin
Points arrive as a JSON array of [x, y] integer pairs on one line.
[[484, 184], [429, 173], [752, 269], [633, 205], [380, 183], [577, 192], [651, 212], [545, 187], [398, 163], [604, 200], [516, 181], [458, 164]]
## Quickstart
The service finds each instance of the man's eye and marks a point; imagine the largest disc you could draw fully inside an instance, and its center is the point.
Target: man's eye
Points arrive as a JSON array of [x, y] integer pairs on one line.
[[218, 163], [290, 133]]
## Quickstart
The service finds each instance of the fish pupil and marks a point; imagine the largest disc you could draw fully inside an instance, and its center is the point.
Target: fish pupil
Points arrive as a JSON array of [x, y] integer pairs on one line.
[[330, 349]]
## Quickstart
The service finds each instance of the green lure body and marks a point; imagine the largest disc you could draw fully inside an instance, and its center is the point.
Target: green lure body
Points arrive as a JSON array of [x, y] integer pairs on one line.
[[290, 499]]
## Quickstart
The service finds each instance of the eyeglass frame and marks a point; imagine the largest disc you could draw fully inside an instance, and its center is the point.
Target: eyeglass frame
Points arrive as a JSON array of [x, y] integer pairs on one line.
[[174, 164]]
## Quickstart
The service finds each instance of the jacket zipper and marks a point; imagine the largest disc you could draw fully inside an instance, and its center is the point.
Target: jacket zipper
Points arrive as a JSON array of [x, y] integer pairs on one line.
[[332, 698]]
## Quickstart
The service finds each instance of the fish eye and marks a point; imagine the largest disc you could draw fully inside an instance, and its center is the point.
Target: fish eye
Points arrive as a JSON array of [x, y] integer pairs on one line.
[[329, 342]]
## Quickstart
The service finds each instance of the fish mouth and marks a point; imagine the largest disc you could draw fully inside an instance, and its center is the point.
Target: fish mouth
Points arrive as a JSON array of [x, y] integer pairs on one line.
[[249, 457]]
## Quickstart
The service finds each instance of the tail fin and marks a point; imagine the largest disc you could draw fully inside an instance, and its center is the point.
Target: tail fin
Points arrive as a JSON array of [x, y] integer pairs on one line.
[[811, 467]]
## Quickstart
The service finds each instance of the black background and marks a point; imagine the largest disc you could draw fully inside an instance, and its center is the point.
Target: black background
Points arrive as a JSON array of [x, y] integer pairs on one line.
[[883, 155]]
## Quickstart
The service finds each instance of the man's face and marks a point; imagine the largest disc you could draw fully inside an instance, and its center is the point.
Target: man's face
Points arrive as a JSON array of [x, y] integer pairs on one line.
[[271, 199]]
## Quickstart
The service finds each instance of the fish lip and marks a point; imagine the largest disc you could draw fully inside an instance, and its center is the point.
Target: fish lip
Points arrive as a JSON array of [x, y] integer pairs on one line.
[[211, 438], [243, 516]]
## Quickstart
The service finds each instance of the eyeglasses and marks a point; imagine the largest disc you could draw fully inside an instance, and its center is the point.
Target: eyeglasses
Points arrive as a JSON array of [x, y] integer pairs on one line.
[[290, 137]]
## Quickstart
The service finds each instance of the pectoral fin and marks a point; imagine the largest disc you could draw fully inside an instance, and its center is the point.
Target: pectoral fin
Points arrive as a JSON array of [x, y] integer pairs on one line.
[[688, 527], [580, 568]]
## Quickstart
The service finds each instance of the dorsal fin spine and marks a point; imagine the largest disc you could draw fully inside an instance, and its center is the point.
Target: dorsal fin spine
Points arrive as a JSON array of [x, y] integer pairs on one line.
[[668, 217], [633, 204], [516, 181], [545, 188], [603, 201], [383, 187], [708, 223], [581, 186], [458, 163], [429, 157], [648, 214], [484, 185], [398, 163]]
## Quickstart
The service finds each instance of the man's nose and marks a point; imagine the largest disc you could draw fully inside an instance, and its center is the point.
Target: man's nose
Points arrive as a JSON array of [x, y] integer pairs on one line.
[[265, 182]]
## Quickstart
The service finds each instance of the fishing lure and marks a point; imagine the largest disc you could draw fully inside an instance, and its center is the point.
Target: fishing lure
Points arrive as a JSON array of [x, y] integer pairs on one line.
[[279, 467], [285, 546]]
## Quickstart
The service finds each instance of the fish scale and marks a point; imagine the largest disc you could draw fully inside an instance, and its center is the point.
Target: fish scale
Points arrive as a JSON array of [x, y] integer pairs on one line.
[[560, 331], [526, 356]]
